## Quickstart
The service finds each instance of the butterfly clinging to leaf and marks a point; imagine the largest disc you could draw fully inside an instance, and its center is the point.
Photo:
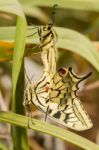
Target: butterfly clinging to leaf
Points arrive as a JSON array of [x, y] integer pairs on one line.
[[55, 93], [60, 101]]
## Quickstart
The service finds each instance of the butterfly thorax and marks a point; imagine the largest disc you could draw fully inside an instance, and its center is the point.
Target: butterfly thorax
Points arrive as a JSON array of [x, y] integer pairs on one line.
[[48, 39]]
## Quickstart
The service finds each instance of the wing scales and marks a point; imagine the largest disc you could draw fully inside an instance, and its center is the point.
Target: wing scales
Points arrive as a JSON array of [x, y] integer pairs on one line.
[[68, 110], [73, 116]]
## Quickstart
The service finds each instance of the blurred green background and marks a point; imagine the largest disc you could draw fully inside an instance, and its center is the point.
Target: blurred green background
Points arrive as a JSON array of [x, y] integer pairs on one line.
[[82, 20]]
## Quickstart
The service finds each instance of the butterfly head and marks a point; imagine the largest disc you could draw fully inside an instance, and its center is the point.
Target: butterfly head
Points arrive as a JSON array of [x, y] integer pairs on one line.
[[47, 30], [44, 31]]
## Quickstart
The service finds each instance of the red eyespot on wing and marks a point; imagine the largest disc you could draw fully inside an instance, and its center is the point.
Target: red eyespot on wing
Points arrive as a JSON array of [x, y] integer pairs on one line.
[[63, 72]]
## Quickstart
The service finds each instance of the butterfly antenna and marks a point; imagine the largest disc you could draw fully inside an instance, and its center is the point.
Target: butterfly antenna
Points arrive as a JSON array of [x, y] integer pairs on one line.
[[53, 14]]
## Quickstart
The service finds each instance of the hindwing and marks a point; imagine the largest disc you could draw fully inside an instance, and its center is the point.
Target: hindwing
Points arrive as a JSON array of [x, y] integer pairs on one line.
[[64, 105]]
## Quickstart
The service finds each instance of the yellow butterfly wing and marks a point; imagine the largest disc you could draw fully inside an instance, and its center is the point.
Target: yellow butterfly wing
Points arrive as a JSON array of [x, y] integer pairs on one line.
[[64, 105], [55, 93]]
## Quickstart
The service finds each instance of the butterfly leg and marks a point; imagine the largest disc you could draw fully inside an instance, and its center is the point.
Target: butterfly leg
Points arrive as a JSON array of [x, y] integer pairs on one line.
[[30, 118], [46, 113]]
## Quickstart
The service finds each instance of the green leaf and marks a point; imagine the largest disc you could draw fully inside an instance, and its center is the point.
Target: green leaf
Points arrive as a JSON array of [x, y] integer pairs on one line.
[[3, 146], [47, 128], [74, 41], [14, 7], [78, 43], [88, 5], [67, 39]]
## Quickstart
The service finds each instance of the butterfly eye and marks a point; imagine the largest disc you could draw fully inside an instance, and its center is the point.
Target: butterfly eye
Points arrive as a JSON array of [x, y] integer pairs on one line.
[[44, 28], [49, 28], [63, 72]]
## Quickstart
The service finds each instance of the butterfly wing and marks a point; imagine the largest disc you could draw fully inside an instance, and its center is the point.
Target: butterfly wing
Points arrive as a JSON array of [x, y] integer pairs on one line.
[[55, 93], [64, 106], [72, 116]]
